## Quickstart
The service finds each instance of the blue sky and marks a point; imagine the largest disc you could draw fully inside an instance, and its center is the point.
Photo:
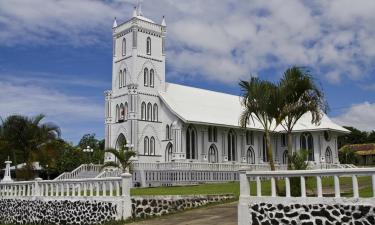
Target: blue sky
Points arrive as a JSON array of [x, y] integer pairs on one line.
[[55, 56]]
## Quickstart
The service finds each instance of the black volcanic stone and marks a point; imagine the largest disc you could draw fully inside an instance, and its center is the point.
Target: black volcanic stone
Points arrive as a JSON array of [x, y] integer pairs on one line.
[[304, 217]]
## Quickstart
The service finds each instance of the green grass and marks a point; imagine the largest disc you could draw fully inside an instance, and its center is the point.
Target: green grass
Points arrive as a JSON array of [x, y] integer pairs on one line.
[[364, 183]]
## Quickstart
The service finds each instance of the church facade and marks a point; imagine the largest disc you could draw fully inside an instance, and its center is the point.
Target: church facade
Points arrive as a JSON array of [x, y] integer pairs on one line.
[[166, 122]]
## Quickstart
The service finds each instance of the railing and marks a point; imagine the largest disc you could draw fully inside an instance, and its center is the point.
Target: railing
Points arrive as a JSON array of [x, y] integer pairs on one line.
[[84, 168], [92, 187], [246, 199]]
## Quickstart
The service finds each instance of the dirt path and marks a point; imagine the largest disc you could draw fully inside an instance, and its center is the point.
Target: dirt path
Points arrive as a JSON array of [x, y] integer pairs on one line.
[[225, 214]]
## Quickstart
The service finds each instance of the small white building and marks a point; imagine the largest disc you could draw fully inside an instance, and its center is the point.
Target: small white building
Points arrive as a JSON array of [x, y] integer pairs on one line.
[[170, 122]]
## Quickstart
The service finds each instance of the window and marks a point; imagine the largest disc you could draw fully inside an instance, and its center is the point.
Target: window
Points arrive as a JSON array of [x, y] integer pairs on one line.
[[191, 135], [285, 157], [117, 113], [283, 140], [152, 146], [168, 152], [124, 78], [145, 74], [149, 112], [250, 157], [143, 111], [124, 46], [327, 135], [249, 138], [307, 143], [167, 134], [328, 155], [215, 134], [126, 111], [265, 156], [155, 111], [209, 134], [232, 145], [152, 78], [212, 154], [120, 79], [122, 112], [146, 146], [148, 46]]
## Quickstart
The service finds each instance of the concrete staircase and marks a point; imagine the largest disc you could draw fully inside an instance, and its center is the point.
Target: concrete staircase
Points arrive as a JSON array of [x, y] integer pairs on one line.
[[83, 171]]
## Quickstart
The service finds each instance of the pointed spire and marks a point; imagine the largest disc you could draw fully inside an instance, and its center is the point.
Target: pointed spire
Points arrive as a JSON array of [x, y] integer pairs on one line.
[[135, 11], [114, 23], [163, 23]]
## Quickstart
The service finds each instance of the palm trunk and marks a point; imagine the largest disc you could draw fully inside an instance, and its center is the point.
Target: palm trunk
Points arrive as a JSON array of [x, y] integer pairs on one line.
[[269, 152], [270, 159], [290, 149]]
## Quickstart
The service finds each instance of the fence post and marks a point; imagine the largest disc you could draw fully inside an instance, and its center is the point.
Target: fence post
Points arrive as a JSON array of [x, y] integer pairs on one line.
[[126, 180], [36, 192], [243, 215]]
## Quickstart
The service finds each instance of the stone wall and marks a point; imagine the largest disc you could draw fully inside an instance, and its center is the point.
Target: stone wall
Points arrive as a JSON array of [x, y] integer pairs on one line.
[[311, 214], [143, 207], [15, 211]]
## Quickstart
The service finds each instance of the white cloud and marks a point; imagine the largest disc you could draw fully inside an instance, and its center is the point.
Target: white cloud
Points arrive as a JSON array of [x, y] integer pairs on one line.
[[27, 97], [223, 40], [360, 116]]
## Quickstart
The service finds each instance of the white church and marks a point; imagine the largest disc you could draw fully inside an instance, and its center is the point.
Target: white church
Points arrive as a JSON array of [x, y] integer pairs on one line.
[[166, 122]]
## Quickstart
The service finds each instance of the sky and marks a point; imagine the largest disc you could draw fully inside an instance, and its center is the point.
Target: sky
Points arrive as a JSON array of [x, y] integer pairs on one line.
[[56, 56]]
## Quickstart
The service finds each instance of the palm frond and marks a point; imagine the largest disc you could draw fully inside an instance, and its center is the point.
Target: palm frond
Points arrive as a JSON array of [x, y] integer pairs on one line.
[[110, 164]]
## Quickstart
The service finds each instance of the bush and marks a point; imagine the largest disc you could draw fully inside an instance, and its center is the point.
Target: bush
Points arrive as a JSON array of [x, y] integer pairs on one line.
[[298, 162]]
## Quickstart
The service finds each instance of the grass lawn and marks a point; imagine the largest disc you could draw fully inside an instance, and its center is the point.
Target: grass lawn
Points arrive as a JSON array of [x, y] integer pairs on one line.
[[364, 184]]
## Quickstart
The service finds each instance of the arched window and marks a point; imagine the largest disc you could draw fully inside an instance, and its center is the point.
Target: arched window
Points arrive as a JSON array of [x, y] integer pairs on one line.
[[249, 138], [212, 134], [145, 74], [120, 79], [264, 149], [152, 146], [122, 112], [168, 152], [191, 138], [285, 157], [148, 46], [167, 134], [328, 155], [232, 143], [149, 112], [126, 111], [146, 146], [117, 113], [307, 143], [212, 154], [124, 78], [152, 77], [143, 111], [250, 156], [155, 111], [124, 46]]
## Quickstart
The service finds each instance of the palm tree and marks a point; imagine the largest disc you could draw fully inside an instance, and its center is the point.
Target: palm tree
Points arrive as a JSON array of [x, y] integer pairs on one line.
[[23, 135], [123, 156], [261, 103], [300, 95]]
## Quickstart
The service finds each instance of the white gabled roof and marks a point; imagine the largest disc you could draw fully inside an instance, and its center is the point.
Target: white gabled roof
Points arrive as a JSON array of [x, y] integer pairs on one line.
[[200, 106]]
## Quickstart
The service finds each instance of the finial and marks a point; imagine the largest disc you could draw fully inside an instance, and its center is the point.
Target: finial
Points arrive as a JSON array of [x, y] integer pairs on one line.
[[163, 23], [135, 11], [114, 23]]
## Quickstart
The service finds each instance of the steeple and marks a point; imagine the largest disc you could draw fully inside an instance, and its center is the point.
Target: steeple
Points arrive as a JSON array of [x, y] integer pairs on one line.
[[139, 8], [135, 11]]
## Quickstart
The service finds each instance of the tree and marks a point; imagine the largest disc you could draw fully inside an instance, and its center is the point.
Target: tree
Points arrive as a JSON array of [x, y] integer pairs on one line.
[[123, 156], [300, 95], [96, 145], [260, 100], [23, 135], [354, 137], [297, 162]]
